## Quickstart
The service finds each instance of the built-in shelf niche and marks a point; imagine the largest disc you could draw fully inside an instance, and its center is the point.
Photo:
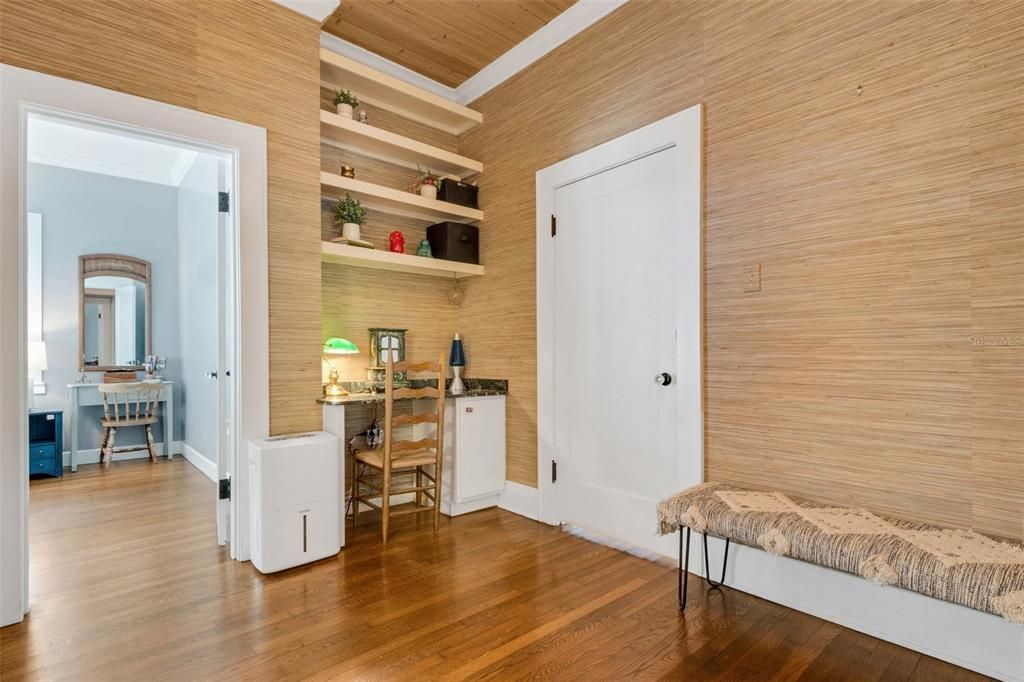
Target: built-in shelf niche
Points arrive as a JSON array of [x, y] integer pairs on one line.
[[389, 93]]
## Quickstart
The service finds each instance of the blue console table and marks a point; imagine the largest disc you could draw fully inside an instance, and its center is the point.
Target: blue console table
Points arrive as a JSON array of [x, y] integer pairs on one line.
[[46, 442]]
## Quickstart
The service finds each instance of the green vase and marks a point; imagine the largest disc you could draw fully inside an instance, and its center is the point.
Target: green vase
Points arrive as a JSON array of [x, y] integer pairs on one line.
[[424, 249]]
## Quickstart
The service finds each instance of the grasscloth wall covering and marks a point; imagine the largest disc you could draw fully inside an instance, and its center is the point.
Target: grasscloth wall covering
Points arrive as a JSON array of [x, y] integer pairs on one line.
[[247, 60], [869, 156]]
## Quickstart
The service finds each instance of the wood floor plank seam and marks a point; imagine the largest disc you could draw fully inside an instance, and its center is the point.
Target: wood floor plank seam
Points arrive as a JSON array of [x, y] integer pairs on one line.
[[494, 655]]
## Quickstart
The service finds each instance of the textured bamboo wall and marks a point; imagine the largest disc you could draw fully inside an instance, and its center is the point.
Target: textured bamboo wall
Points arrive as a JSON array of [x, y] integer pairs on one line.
[[880, 363], [251, 61], [868, 155]]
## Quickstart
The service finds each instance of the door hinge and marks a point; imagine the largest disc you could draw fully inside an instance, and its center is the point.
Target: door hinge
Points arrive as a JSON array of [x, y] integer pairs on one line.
[[223, 202], [554, 471], [224, 489], [554, 225]]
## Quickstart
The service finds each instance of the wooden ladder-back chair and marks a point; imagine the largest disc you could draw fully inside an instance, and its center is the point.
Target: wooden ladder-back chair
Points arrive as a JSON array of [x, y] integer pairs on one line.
[[374, 470], [128, 404]]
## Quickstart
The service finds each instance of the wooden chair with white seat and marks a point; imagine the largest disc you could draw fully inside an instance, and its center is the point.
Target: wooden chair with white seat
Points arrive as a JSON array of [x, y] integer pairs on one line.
[[374, 470], [124, 405]]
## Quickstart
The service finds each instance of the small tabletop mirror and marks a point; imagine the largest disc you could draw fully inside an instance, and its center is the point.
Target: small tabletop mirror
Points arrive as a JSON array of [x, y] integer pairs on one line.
[[114, 312]]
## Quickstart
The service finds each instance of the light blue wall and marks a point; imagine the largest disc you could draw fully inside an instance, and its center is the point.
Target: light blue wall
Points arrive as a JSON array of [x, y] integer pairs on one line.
[[199, 220], [91, 213]]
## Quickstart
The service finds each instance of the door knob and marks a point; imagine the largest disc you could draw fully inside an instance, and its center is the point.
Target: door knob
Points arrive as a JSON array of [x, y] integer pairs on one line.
[[211, 375], [663, 379]]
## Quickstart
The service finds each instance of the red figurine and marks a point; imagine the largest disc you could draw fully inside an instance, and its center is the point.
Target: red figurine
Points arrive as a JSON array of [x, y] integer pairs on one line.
[[397, 242]]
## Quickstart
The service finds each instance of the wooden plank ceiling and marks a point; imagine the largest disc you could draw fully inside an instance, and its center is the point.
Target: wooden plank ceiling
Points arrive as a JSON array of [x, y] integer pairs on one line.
[[446, 40]]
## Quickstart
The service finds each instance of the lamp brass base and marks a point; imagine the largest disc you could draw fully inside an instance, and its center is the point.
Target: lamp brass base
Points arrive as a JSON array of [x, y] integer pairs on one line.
[[333, 389]]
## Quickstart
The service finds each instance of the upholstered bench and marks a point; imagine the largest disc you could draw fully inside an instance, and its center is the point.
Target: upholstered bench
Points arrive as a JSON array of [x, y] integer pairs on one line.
[[958, 566]]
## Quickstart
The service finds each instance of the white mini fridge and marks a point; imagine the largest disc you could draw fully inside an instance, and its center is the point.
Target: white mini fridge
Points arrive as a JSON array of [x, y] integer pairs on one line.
[[296, 491]]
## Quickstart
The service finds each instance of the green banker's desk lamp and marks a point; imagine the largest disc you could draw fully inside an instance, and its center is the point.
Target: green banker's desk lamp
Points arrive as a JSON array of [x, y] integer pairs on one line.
[[334, 347]]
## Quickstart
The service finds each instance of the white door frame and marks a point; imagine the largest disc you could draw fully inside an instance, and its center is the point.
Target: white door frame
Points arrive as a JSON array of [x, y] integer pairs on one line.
[[23, 91], [679, 135]]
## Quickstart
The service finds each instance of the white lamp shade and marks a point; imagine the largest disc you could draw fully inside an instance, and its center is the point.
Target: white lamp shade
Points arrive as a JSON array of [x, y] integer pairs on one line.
[[37, 355]]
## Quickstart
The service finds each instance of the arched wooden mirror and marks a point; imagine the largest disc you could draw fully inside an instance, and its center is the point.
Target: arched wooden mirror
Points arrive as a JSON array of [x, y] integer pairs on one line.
[[115, 319]]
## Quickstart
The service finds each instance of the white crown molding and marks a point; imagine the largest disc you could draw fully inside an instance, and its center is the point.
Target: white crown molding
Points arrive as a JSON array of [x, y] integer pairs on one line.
[[317, 10], [375, 61], [182, 165], [171, 177], [94, 150], [88, 164], [569, 23]]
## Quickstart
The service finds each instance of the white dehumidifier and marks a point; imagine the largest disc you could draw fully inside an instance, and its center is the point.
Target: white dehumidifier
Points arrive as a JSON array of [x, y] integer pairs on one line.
[[296, 488]]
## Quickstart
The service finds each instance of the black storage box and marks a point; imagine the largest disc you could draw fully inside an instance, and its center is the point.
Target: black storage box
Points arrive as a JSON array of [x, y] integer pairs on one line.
[[455, 241], [457, 192]]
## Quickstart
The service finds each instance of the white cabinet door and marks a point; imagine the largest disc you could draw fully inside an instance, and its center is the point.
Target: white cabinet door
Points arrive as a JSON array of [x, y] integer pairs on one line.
[[479, 447]]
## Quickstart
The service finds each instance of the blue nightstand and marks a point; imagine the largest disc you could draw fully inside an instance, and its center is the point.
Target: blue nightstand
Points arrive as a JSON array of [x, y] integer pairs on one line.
[[46, 442]]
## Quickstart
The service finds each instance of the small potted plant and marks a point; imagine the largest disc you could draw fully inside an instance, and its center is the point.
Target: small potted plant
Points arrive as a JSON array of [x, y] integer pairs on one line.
[[426, 184], [345, 102], [350, 214]]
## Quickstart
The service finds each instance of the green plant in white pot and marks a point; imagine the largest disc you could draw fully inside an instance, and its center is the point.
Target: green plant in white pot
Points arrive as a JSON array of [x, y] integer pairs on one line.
[[351, 215], [345, 102]]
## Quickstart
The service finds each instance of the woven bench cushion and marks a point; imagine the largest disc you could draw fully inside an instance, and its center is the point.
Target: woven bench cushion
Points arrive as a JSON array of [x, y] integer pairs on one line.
[[959, 566]]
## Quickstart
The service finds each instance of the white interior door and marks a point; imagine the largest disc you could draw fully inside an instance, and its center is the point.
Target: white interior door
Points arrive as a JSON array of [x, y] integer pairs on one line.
[[205, 318], [226, 316], [618, 310]]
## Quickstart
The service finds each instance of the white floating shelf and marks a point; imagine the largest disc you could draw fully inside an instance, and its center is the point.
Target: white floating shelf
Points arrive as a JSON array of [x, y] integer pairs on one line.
[[396, 262], [397, 202], [369, 140], [388, 92]]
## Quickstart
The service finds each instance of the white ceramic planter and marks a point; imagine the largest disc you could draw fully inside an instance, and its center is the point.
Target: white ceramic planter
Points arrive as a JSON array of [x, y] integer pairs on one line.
[[351, 231], [344, 110], [428, 191]]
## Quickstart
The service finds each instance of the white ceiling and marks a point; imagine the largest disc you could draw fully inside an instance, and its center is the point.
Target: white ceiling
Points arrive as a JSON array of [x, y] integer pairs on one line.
[[57, 143]]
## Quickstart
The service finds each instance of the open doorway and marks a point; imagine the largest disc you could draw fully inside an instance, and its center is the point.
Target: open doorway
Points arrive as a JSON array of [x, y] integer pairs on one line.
[[218, 164], [130, 323]]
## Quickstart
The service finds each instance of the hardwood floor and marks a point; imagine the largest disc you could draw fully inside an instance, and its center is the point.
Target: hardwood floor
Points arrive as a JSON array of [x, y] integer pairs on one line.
[[129, 584]]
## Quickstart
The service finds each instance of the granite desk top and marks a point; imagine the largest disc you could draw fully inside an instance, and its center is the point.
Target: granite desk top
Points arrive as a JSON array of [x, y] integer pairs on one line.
[[361, 395]]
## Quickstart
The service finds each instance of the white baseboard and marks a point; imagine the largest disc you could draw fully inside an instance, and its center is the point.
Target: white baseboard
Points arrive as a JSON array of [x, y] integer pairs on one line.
[[972, 639], [92, 455], [200, 461], [459, 508], [520, 499]]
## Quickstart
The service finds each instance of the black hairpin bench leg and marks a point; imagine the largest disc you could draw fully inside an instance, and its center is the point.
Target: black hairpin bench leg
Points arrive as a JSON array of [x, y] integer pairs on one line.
[[684, 574], [684, 563], [707, 568]]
